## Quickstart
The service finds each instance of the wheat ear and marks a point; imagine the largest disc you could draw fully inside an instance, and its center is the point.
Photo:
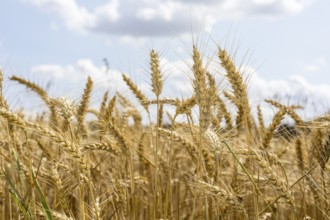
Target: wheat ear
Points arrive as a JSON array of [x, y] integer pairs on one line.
[[289, 111], [240, 91], [119, 136], [200, 88], [300, 156], [163, 101], [226, 114], [208, 161], [191, 147], [260, 119], [104, 146], [83, 106], [124, 101], [110, 109], [60, 190], [43, 95], [321, 148], [185, 106], [103, 104], [273, 125], [139, 95], [156, 75], [34, 87], [231, 98]]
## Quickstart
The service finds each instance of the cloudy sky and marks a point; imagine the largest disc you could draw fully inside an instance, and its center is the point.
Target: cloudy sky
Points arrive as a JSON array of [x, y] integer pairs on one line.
[[58, 43]]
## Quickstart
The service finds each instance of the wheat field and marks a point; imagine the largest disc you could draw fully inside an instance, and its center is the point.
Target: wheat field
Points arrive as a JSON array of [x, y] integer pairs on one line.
[[214, 164]]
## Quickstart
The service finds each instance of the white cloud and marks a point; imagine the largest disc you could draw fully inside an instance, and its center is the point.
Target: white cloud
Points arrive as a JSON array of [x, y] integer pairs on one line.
[[293, 6], [70, 79], [145, 17], [53, 70], [108, 11], [74, 16], [146, 14], [315, 65]]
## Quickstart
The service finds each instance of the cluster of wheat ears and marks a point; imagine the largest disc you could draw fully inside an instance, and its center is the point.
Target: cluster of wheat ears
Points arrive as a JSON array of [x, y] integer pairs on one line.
[[224, 165]]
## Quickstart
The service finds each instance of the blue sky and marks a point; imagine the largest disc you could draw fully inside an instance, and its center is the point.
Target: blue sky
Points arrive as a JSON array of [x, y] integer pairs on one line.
[[63, 41]]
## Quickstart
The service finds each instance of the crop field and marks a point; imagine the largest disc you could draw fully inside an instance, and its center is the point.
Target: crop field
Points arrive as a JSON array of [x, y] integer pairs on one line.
[[75, 161]]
